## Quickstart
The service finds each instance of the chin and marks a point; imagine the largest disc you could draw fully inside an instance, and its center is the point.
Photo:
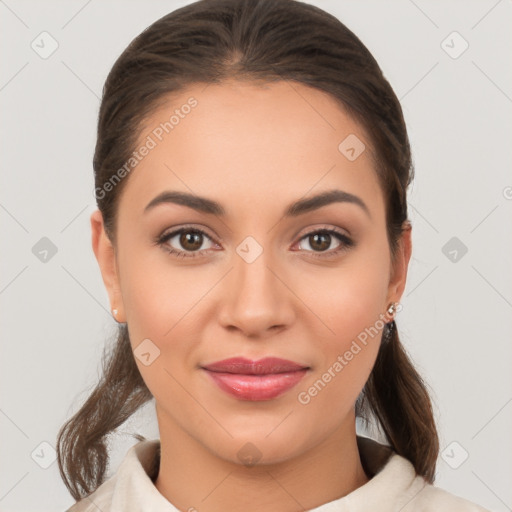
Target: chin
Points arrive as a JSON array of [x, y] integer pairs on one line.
[[262, 443]]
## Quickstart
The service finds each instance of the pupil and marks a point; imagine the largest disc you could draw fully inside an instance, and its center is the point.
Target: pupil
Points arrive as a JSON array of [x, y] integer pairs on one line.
[[187, 240], [316, 237]]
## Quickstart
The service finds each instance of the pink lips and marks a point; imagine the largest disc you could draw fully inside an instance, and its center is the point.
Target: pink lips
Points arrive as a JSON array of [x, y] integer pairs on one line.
[[264, 379]]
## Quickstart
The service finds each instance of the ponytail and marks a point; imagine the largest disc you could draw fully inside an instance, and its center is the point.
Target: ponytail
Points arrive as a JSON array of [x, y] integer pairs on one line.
[[396, 395], [82, 452]]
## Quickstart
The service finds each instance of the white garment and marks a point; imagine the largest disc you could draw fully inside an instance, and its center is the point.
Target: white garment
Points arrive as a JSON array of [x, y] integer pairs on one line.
[[394, 486]]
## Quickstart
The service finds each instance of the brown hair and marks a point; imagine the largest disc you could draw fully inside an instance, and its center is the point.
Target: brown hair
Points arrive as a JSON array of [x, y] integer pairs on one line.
[[209, 41]]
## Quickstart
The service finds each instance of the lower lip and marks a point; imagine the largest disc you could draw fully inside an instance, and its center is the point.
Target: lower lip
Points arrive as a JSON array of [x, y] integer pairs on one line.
[[256, 387]]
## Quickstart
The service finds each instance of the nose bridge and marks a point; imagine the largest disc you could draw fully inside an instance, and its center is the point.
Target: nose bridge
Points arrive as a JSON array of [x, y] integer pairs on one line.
[[255, 299], [253, 281]]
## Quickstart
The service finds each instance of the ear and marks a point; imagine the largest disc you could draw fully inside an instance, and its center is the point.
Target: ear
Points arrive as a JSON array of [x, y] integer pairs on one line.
[[398, 277], [105, 255]]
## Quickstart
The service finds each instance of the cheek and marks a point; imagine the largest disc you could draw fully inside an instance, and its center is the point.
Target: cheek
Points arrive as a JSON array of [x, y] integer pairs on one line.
[[159, 306], [158, 297], [163, 304], [351, 306], [344, 357], [330, 395], [350, 298]]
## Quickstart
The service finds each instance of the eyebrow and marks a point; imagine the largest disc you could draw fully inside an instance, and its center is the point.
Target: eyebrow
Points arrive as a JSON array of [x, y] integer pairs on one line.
[[205, 205]]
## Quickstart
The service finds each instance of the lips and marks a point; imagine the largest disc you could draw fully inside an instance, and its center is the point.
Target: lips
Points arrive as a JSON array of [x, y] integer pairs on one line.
[[264, 379], [264, 366]]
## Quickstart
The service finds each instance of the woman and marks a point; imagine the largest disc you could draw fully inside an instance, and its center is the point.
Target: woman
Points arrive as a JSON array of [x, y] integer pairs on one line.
[[251, 170]]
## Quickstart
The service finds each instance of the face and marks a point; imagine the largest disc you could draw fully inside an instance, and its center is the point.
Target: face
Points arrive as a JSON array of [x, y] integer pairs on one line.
[[252, 280]]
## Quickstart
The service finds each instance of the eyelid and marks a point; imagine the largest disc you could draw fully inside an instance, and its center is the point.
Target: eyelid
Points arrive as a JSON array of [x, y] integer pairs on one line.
[[186, 227], [321, 227]]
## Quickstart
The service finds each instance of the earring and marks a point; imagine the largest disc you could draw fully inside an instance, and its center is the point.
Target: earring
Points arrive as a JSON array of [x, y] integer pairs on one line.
[[388, 329], [389, 326], [114, 311], [392, 308]]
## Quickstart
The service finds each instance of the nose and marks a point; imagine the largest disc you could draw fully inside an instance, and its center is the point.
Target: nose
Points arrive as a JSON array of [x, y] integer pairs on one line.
[[255, 297]]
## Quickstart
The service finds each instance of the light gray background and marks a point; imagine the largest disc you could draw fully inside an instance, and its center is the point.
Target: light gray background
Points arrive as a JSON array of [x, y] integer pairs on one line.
[[457, 316]]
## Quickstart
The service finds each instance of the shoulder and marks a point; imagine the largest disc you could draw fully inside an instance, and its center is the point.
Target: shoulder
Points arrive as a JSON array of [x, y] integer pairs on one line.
[[131, 481], [100, 499], [424, 497], [395, 482]]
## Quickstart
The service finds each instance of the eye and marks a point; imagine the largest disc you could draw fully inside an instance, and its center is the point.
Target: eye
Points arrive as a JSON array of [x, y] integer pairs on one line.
[[321, 239], [190, 239]]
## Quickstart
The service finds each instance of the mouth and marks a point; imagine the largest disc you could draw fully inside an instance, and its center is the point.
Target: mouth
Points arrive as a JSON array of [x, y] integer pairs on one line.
[[264, 379]]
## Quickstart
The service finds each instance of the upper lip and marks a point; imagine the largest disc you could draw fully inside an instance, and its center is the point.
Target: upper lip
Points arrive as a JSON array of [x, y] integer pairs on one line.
[[267, 365]]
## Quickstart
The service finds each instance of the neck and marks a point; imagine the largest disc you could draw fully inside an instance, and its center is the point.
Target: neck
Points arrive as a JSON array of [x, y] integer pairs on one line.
[[193, 478]]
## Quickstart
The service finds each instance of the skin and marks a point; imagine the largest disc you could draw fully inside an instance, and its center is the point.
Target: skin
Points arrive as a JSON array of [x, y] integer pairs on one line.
[[255, 149]]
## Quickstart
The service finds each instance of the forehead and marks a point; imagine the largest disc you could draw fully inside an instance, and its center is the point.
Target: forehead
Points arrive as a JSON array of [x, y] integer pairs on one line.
[[257, 141]]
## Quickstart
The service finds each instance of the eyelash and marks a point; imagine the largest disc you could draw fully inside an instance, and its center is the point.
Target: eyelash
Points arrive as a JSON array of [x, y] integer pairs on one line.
[[346, 242]]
